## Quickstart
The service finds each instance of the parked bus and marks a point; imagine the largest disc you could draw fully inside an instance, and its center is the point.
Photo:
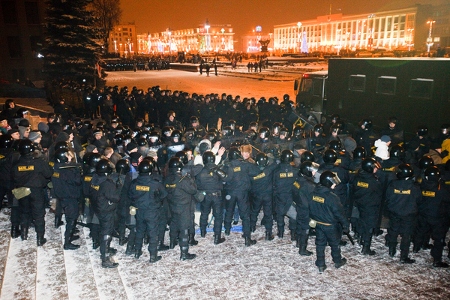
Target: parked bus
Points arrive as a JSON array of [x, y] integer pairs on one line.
[[415, 90]]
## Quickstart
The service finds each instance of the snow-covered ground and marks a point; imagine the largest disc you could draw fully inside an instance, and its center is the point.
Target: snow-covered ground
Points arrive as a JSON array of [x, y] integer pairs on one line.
[[267, 270]]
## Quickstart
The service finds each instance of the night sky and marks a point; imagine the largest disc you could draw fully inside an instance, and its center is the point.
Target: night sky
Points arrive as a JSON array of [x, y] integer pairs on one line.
[[245, 15]]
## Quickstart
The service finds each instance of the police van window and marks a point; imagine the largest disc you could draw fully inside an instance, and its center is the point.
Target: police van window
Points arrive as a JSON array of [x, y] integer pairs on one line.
[[386, 85], [357, 83], [421, 88], [306, 85]]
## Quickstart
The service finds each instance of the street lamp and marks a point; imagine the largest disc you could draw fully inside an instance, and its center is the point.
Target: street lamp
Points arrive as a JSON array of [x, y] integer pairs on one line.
[[207, 26], [430, 39]]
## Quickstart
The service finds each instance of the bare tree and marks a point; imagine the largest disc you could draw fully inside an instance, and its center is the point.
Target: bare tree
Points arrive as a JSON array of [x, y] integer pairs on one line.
[[107, 14]]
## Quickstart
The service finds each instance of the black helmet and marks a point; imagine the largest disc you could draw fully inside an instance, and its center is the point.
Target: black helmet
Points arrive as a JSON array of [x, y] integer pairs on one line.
[[336, 128], [100, 125], [298, 131], [175, 164], [369, 164], [335, 118], [193, 119], [183, 156], [234, 153], [307, 156], [330, 156], [61, 145], [425, 162], [405, 172], [122, 166], [145, 167], [328, 178], [285, 97], [307, 167], [94, 158], [397, 151], [176, 134], [118, 139], [261, 159], [284, 131], [153, 135], [103, 167], [264, 132], [367, 124], [318, 128], [359, 152], [26, 147], [287, 156], [335, 145], [142, 141], [208, 157], [232, 124], [276, 127], [6, 141], [422, 130], [445, 129], [60, 155], [432, 173], [227, 131], [167, 130], [77, 122]]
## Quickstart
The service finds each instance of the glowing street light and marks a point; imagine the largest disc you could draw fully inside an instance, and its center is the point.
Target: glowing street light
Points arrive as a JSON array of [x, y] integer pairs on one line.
[[430, 39], [207, 26]]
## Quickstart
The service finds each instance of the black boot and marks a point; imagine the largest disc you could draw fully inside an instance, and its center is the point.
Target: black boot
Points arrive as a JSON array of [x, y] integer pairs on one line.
[[366, 248], [227, 232], [123, 240], [293, 236], [392, 250], [154, 258], [416, 248], [172, 243], [185, 255], [137, 253], [253, 228], [192, 241], [110, 250], [108, 263], [302, 248], [41, 240], [203, 232], [162, 247], [15, 231], [130, 249], [58, 221], [440, 264], [69, 246], [280, 234], [249, 241], [218, 239], [95, 243], [341, 263], [24, 233], [404, 259], [269, 236]]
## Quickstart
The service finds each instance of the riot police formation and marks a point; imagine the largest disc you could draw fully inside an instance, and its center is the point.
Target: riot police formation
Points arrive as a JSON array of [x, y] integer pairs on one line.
[[154, 157]]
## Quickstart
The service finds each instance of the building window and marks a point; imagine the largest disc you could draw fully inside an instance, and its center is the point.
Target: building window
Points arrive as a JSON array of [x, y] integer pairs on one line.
[[357, 83], [421, 88], [32, 12], [9, 12], [14, 47], [386, 85]]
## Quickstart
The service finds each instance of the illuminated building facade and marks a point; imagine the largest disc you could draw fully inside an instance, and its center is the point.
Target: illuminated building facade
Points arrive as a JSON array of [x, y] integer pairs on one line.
[[252, 42], [405, 29], [204, 38], [123, 40]]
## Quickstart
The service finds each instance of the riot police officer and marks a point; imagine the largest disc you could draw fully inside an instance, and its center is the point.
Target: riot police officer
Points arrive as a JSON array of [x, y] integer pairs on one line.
[[327, 214]]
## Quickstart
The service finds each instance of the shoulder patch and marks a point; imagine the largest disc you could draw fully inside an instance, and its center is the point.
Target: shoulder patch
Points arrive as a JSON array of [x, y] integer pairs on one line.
[[142, 188], [171, 186], [318, 199], [236, 169], [87, 178], [25, 168], [259, 176], [55, 174], [402, 192], [296, 185], [428, 194], [362, 184]]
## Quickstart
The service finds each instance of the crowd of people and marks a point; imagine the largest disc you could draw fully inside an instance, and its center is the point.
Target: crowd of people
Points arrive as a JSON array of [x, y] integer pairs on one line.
[[138, 163]]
